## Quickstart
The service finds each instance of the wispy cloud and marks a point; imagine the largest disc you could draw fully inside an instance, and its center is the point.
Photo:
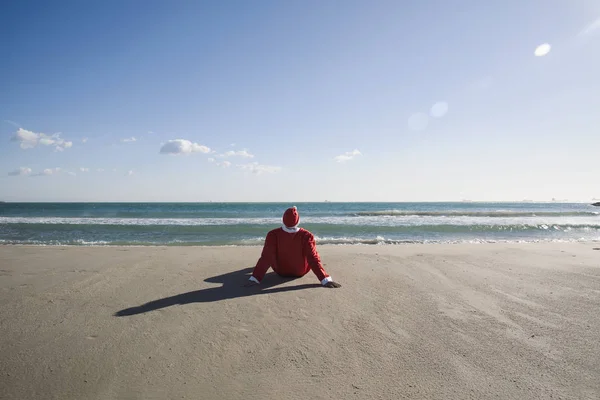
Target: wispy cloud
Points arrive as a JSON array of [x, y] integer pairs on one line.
[[48, 172], [13, 123], [258, 169], [182, 146], [591, 28], [240, 153], [82, 169], [100, 170], [349, 155], [20, 171], [24, 171], [129, 140], [84, 140], [28, 140], [130, 172], [224, 164]]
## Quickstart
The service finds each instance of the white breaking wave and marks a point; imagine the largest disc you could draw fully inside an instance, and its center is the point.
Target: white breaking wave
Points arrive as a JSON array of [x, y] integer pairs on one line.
[[320, 241], [138, 221], [543, 222]]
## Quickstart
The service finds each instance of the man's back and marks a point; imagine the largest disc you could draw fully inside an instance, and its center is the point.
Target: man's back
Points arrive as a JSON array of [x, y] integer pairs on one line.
[[290, 252]]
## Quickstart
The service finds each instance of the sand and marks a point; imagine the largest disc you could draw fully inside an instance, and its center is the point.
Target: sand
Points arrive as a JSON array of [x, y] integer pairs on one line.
[[494, 321]]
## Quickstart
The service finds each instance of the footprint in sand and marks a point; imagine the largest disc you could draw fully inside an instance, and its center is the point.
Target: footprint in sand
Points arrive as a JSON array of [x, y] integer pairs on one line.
[[91, 337]]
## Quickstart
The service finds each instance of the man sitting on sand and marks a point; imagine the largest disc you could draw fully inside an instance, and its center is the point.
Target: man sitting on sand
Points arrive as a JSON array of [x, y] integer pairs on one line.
[[291, 252]]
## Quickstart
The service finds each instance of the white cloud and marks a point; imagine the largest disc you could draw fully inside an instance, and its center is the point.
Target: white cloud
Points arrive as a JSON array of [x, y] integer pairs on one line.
[[67, 145], [114, 170], [84, 140], [542, 50], [182, 146], [48, 172], [591, 28], [258, 169], [72, 173], [23, 171], [224, 164], [20, 171], [28, 140], [84, 169], [347, 156], [129, 140], [211, 160], [130, 172], [240, 153], [100, 170]]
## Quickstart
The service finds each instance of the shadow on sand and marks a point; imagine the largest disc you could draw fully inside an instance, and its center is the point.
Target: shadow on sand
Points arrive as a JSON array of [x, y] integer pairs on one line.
[[232, 287]]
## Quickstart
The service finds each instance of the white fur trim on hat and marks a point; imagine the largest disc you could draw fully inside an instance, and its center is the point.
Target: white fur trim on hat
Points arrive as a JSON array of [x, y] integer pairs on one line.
[[293, 229]]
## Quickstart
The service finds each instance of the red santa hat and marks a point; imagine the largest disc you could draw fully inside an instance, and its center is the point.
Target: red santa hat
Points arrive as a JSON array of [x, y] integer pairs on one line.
[[291, 217]]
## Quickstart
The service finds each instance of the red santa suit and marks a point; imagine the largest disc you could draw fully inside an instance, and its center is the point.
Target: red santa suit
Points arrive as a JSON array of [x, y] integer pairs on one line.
[[290, 251]]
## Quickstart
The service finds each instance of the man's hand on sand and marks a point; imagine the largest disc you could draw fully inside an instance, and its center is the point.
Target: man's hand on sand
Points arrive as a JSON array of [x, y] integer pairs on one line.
[[332, 284]]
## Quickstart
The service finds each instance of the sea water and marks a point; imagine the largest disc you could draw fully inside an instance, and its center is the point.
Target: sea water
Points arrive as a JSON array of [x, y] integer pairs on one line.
[[240, 224]]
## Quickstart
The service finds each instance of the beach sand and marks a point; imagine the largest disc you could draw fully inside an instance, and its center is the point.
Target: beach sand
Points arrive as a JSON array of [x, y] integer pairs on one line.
[[493, 321]]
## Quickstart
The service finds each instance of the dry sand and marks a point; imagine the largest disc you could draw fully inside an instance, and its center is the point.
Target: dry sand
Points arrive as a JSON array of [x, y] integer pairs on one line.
[[493, 321]]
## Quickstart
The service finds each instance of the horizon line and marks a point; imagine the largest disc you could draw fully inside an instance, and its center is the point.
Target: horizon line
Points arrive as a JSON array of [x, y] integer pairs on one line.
[[301, 202]]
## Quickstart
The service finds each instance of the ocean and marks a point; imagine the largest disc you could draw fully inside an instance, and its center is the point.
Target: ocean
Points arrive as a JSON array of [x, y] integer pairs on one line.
[[242, 224]]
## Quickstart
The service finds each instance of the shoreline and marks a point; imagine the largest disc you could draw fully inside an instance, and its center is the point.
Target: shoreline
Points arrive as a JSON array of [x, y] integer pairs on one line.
[[307, 202], [378, 244]]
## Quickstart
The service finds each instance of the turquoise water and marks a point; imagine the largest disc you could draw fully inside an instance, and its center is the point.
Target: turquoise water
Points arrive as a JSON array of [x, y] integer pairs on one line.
[[248, 223]]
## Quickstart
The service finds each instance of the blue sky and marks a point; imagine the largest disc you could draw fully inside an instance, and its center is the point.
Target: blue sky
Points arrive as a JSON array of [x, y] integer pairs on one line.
[[299, 100]]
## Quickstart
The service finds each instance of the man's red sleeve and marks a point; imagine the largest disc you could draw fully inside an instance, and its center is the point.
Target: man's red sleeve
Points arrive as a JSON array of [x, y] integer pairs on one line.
[[312, 256], [268, 257]]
